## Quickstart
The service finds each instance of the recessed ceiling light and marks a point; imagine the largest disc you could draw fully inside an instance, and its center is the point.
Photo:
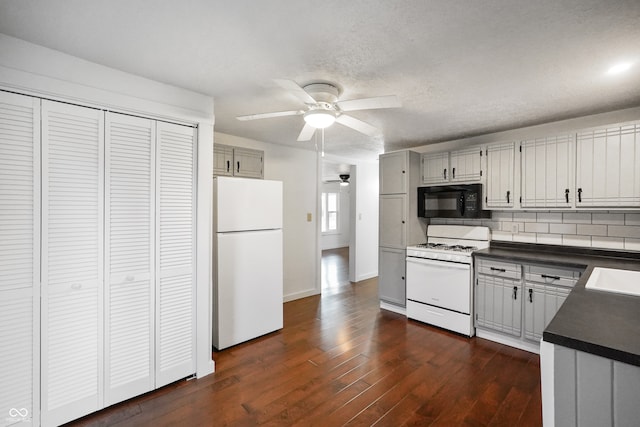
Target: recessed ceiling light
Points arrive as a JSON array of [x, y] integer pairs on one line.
[[619, 68]]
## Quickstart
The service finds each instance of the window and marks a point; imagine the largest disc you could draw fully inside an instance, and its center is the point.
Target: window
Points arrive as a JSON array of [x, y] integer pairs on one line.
[[330, 202]]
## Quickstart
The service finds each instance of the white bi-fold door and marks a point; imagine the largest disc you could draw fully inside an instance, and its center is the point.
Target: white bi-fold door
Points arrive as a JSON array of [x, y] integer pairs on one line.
[[72, 261], [129, 256], [19, 259], [175, 330]]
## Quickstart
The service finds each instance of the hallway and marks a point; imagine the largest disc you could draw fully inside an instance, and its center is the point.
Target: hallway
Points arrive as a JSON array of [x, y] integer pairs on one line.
[[334, 270]]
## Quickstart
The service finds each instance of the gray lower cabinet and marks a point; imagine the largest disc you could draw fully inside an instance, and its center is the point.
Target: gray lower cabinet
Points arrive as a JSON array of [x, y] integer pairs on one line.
[[391, 279], [235, 161], [545, 289], [583, 389], [520, 300], [498, 297]]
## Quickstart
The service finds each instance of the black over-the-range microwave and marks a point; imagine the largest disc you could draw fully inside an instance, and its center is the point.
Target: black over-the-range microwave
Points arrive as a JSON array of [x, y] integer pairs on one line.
[[451, 201]]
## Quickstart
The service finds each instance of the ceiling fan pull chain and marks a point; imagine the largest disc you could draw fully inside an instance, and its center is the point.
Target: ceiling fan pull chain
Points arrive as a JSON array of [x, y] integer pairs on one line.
[[322, 142]]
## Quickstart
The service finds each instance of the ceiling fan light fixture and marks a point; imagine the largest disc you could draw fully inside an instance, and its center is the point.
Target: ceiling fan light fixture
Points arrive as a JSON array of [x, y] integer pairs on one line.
[[345, 179], [320, 119]]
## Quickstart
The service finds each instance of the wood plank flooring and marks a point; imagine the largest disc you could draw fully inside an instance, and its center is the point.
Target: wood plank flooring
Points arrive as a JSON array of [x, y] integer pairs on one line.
[[340, 360]]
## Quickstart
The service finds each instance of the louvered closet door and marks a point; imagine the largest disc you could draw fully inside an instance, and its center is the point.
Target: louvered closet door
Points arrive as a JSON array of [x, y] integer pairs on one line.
[[19, 258], [175, 253], [72, 261], [129, 256]]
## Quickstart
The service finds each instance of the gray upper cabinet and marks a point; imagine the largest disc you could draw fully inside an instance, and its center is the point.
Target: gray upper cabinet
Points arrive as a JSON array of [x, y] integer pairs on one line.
[[435, 168], [455, 166], [500, 176], [240, 162], [547, 172], [466, 165], [394, 169], [608, 167], [222, 160]]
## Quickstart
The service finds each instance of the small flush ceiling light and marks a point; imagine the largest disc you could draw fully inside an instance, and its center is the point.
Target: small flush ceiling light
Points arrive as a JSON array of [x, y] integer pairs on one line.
[[345, 179], [320, 118], [619, 68]]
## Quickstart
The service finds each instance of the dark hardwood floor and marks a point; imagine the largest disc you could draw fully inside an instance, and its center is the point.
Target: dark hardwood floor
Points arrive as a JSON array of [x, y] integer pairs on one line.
[[340, 360]]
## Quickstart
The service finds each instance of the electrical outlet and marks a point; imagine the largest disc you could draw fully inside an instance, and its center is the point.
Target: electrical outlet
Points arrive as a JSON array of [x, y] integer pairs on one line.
[[514, 228]]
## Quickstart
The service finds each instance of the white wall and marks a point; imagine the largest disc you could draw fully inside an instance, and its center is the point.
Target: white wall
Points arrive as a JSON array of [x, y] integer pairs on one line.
[[35, 70], [298, 170], [363, 256], [340, 239]]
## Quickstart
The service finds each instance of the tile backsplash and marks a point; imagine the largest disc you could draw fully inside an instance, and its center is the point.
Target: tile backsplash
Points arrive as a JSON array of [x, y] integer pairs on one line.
[[601, 229]]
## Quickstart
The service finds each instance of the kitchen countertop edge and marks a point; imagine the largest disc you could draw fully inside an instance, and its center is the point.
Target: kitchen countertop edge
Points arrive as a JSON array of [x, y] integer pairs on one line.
[[600, 323]]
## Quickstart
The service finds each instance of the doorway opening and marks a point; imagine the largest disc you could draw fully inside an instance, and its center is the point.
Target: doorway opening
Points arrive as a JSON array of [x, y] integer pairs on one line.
[[335, 226]]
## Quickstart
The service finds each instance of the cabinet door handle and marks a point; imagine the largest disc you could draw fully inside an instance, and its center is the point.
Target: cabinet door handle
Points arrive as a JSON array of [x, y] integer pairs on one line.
[[508, 196], [501, 270], [530, 295], [545, 276], [566, 195], [580, 195], [515, 292], [238, 166], [453, 173], [445, 173], [402, 277], [403, 221], [228, 165]]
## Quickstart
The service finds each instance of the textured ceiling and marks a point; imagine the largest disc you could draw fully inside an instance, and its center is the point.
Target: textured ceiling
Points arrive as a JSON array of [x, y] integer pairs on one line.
[[460, 67]]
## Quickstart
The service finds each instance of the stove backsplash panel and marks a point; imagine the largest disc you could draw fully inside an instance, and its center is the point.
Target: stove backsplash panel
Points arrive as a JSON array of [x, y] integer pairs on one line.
[[602, 229]]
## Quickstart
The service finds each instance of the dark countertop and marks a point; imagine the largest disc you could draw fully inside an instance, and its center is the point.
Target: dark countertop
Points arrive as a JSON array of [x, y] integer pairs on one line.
[[602, 323]]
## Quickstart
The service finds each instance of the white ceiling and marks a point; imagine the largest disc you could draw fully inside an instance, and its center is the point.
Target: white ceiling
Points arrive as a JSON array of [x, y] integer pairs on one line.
[[460, 67]]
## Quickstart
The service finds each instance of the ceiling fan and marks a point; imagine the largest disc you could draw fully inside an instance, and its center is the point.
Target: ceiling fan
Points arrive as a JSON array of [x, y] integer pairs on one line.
[[322, 108], [344, 179]]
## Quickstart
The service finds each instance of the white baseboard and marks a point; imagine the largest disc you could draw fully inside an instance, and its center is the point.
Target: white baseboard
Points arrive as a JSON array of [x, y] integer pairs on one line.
[[511, 342], [302, 294], [366, 276], [394, 308]]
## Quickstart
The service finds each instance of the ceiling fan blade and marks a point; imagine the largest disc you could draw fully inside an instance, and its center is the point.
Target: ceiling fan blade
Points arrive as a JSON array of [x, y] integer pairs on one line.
[[306, 133], [295, 89], [389, 101], [358, 125], [269, 115]]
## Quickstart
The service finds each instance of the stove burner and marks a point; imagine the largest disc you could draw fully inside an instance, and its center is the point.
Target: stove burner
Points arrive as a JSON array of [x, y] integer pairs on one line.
[[460, 248], [443, 247]]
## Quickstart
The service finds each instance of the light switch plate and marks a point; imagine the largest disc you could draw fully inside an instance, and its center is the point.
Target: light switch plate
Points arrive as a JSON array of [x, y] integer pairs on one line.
[[309, 217]]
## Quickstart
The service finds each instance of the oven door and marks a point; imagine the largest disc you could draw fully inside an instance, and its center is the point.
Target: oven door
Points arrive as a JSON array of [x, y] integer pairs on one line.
[[439, 283]]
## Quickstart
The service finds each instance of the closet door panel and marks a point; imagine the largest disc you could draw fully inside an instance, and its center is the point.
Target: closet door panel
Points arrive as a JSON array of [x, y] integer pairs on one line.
[[129, 256], [19, 258], [175, 253], [72, 261]]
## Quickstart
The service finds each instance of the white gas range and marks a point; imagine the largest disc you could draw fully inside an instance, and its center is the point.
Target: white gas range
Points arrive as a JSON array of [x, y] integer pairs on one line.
[[439, 276]]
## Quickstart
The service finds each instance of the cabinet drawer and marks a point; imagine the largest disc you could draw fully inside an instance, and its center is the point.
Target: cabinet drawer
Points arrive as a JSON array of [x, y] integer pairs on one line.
[[499, 269], [440, 317], [556, 276]]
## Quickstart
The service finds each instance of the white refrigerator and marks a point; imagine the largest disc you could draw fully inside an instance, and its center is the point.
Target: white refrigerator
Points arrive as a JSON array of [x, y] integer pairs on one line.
[[247, 259]]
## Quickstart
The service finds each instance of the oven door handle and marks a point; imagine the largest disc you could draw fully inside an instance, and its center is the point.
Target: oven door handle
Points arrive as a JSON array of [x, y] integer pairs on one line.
[[438, 263]]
